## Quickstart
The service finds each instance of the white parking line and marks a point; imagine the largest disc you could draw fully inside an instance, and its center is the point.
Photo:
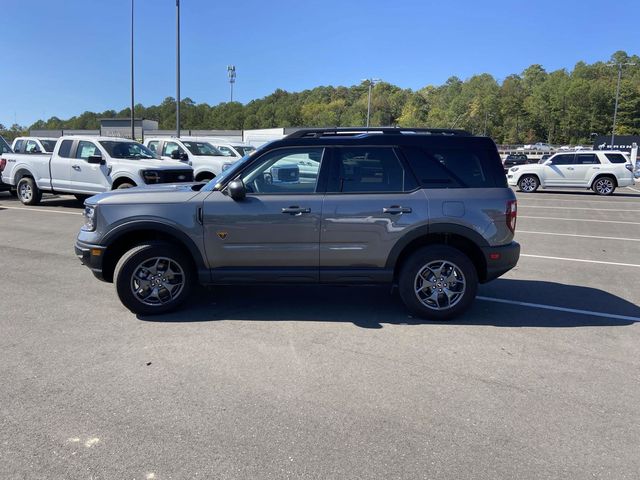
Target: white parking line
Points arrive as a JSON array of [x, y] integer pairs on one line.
[[560, 309], [634, 189], [582, 260], [29, 209], [581, 236], [578, 200], [579, 220], [581, 208]]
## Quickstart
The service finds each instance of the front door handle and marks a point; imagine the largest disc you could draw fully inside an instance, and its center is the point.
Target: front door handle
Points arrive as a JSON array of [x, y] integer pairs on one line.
[[396, 209], [76, 167], [596, 168], [295, 210], [570, 168]]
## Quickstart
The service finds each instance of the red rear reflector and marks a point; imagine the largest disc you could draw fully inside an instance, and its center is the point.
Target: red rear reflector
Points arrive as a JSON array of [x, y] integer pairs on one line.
[[494, 256], [511, 214]]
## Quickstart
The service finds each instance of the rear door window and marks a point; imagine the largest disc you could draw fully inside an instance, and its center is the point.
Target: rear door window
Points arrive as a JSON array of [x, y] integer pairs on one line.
[[153, 146], [31, 147], [367, 169], [586, 159], [65, 149], [18, 147]]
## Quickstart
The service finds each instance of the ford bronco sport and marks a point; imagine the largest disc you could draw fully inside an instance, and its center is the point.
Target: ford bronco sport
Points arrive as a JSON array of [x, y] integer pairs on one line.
[[428, 210]]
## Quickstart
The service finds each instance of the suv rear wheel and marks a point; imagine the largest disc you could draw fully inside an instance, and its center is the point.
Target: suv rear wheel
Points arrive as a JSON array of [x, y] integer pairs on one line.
[[438, 282], [604, 185], [153, 278]]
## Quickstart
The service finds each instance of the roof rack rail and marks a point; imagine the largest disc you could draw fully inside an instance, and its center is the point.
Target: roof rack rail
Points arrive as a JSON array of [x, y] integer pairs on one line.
[[352, 131]]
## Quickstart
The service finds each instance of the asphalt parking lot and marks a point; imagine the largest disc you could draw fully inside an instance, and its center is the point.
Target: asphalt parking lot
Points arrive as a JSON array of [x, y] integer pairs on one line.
[[540, 379]]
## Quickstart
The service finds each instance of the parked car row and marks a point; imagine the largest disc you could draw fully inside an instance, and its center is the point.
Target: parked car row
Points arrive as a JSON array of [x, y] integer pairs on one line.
[[87, 165], [599, 170]]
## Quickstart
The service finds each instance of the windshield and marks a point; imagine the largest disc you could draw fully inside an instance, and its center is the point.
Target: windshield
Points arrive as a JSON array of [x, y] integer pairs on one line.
[[48, 145], [203, 148], [131, 150]]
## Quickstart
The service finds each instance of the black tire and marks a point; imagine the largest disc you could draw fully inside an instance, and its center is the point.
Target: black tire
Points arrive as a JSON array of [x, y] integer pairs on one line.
[[140, 259], [462, 296], [528, 183], [28, 192], [80, 197], [604, 185], [125, 185]]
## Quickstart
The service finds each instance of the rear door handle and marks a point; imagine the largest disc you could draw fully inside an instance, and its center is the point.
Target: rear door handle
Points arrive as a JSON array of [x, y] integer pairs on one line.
[[295, 210], [596, 168], [76, 167], [396, 209], [570, 168]]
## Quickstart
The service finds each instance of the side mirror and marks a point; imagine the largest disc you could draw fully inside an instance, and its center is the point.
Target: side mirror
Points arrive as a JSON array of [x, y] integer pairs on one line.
[[184, 156], [176, 155], [547, 161], [96, 159], [237, 190]]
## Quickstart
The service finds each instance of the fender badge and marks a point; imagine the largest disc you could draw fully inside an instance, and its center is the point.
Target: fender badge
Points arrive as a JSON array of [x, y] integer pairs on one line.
[[222, 235]]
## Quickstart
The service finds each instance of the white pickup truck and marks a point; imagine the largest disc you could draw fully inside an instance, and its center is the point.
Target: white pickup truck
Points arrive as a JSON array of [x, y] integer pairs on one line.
[[87, 165], [207, 161]]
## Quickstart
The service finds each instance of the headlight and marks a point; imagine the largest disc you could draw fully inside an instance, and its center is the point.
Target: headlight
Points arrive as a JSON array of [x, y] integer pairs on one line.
[[226, 166], [513, 169], [89, 218], [150, 176]]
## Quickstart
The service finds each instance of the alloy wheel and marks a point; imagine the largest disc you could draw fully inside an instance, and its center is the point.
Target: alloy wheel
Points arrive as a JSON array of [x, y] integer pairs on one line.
[[439, 285], [157, 281]]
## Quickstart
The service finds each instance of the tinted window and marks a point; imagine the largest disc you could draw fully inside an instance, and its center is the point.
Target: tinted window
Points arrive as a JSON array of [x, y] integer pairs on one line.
[[86, 149], [4, 146], [18, 147], [586, 159], [202, 148], [129, 150], [616, 158], [65, 148], [564, 159], [446, 167], [244, 150], [226, 151], [291, 170], [48, 145], [153, 146], [367, 169]]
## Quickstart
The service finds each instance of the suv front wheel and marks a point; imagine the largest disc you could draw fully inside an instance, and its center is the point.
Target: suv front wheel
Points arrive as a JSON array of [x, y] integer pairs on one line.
[[438, 282], [153, 278]]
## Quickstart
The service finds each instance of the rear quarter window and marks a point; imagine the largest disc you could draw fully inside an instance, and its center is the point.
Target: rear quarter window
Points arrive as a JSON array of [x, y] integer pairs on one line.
[[616, 157], [455, 167]]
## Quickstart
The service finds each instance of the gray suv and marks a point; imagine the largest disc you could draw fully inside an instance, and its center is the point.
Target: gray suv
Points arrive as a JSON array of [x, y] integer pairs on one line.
[[428, 210]]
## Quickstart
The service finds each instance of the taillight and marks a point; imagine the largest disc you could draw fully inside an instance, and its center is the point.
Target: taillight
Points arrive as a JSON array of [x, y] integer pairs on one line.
[[3, 163], [511, 214]]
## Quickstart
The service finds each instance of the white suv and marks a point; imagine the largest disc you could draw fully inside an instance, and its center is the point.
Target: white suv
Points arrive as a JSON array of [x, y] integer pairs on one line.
[[601, 171]]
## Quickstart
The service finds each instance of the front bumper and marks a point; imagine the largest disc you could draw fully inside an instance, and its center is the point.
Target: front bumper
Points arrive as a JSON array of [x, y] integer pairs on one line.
[[91, 256], [500, 260]]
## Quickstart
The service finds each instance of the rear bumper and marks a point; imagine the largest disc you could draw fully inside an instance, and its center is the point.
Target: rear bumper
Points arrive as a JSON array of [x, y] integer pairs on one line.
[[91, 256], [500, 260]]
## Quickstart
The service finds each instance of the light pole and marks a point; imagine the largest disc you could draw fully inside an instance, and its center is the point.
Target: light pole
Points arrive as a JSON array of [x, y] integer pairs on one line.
[[178, 68], [615, 109], [371, 82], [231, 72], [133, 130]]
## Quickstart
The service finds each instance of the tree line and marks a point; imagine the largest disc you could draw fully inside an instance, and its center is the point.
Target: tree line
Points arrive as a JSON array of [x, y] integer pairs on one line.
[[536, 105]]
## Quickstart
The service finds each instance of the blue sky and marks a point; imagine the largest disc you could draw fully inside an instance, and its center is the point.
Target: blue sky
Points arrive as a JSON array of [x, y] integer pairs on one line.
[[64, 57]]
